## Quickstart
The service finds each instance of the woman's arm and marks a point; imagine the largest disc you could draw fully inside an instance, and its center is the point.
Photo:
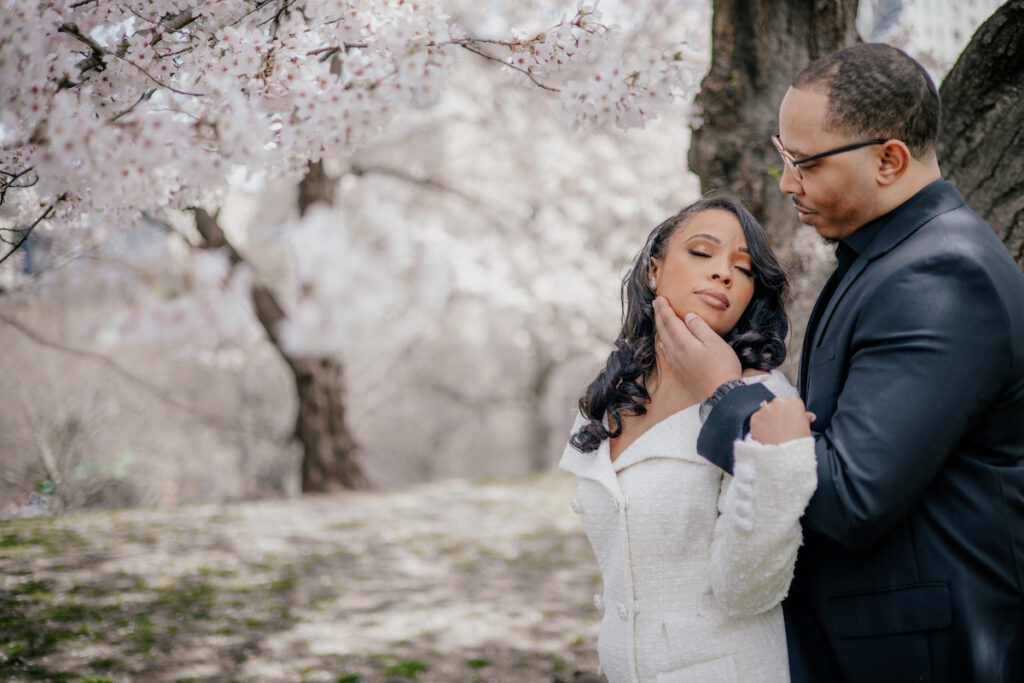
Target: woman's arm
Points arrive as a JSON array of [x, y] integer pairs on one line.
[[757, 534]]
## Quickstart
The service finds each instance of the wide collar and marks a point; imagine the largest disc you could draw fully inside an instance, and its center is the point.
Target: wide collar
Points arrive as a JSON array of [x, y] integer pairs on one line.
[[886, 232], [674, 437]]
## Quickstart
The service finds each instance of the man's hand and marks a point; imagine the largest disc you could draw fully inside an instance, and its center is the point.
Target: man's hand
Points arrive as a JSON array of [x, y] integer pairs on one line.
[[697, 355], [781, 420]]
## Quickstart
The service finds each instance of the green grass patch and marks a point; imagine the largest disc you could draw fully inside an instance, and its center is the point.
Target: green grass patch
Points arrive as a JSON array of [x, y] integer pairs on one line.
[[78, 612], [188, 599], [34, 587], [143, 634], [42, 534], [477, 663], [407, 668], [108, 664], [283, 585]]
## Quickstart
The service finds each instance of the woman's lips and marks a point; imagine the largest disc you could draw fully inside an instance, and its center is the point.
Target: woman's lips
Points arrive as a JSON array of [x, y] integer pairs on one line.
[[714, 299]]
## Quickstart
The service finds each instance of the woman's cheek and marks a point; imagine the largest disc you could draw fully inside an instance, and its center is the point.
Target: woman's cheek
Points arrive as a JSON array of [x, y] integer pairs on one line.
[[678, 306]]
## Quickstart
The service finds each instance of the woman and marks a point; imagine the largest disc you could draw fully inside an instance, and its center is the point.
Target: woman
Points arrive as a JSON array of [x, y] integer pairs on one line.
[[694, 561]]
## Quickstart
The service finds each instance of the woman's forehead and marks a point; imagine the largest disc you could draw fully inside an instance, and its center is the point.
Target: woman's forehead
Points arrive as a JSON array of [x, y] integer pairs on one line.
[[714, 225]]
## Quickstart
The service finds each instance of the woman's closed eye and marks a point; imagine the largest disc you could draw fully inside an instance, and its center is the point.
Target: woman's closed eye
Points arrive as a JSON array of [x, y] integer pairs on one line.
[[701, 254]]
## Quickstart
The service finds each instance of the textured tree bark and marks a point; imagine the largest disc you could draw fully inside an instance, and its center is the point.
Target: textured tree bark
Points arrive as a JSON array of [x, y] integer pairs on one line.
[[330, 459], [981, 143], [757, 48]]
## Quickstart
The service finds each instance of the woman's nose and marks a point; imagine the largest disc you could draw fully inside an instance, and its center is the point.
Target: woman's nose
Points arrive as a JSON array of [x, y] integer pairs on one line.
[[724, 278]]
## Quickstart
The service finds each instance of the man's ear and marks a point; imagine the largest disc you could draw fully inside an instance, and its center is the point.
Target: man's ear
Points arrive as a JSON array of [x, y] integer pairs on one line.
[[893, 159]]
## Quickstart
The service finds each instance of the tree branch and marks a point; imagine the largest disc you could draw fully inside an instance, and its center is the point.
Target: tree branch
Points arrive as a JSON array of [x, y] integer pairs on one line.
[[7, 184], [95, 59], [133, 379], [28, 231]]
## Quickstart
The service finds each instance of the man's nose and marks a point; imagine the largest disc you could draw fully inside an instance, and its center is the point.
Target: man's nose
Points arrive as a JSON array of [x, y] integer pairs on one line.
[[788, 183]]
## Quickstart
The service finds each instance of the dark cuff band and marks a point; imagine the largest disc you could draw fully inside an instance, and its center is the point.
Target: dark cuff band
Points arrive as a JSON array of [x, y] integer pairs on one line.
[[729, 421]]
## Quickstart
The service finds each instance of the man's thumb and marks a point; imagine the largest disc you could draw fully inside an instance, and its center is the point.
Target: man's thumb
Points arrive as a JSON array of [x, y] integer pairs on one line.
[[700, 329]]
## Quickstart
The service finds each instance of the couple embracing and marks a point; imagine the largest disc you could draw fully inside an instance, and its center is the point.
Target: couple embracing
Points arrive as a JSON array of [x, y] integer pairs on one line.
[[868, 524]]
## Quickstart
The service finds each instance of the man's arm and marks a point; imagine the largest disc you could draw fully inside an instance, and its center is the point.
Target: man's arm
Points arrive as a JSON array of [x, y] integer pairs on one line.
[[729, 421], [926, 359]]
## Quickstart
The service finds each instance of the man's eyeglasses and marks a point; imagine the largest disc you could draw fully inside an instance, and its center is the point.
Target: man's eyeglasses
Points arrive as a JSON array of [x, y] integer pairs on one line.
[[794, 163]]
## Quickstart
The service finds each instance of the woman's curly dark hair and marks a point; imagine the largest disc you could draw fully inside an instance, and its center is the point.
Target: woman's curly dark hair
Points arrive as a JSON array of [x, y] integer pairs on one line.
[[758, 337]]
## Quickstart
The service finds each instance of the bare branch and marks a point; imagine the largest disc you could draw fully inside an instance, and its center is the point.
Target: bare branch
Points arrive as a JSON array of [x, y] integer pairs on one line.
[[121, 372], [157, 81], [28, 231], [95, 60], [144, 96], [173, 23], [465, 43], [428, 183], [7, 184], [466, 46], [259, 5]]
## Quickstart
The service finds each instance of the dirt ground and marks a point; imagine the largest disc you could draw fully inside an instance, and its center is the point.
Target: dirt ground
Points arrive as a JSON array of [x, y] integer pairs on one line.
[[445, 582]]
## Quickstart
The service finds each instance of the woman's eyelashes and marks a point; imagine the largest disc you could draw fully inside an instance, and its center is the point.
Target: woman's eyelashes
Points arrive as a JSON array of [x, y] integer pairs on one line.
[[701, 254]]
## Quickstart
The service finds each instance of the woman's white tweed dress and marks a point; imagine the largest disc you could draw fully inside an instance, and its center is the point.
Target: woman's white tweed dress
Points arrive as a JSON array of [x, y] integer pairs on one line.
[[694, 562]]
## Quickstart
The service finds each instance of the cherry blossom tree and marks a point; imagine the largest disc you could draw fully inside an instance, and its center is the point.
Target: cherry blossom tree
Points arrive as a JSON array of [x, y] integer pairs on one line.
[[152, 108]]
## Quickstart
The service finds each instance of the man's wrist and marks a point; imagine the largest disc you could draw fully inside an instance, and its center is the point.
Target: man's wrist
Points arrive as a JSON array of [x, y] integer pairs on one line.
[[717, 395]]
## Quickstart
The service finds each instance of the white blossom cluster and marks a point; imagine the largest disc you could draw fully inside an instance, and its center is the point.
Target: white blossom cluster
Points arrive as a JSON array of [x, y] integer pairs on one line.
[[119, 107], [110, 109], [617, 89], [389, 284], [116, 107], [211, 309]]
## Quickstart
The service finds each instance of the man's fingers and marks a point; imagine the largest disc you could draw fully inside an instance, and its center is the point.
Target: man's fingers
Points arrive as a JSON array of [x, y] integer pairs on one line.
[[670, 328], [700, 329]]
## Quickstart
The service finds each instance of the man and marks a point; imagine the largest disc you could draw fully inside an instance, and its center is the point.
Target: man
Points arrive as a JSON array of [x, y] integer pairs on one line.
[[912, 567]]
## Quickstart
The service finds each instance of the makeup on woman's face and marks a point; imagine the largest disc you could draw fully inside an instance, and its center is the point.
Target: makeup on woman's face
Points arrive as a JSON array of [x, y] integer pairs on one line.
[[706, 269]]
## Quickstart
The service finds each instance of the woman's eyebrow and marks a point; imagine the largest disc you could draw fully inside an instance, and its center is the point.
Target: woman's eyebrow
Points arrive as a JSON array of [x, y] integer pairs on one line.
[[712, 238]]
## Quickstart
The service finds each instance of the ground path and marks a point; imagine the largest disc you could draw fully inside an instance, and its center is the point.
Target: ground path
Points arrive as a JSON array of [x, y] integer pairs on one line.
[[444, 582]]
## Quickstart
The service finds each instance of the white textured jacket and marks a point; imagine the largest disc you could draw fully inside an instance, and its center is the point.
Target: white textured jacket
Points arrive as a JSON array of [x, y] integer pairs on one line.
[[695, 562]]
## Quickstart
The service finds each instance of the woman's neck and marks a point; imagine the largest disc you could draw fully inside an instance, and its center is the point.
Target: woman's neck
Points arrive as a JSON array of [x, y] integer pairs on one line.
[[666, 390]]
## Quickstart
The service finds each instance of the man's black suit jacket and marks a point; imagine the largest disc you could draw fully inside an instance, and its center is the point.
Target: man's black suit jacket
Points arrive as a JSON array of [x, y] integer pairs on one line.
[[912, 567]]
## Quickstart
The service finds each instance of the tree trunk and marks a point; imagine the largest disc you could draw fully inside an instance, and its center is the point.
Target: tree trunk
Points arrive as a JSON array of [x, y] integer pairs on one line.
[[981, 143], [330, 458], [540, 433], [757, 48]]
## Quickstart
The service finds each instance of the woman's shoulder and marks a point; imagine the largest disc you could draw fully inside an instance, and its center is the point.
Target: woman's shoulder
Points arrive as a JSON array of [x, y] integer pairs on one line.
[[774, 381]]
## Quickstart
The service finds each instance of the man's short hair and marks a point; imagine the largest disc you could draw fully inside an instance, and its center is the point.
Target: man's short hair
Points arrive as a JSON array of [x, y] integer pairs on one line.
[[876, 91]]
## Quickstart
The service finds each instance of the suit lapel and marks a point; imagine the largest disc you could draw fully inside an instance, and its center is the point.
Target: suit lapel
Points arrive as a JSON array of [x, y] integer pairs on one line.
[[937, 198]]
